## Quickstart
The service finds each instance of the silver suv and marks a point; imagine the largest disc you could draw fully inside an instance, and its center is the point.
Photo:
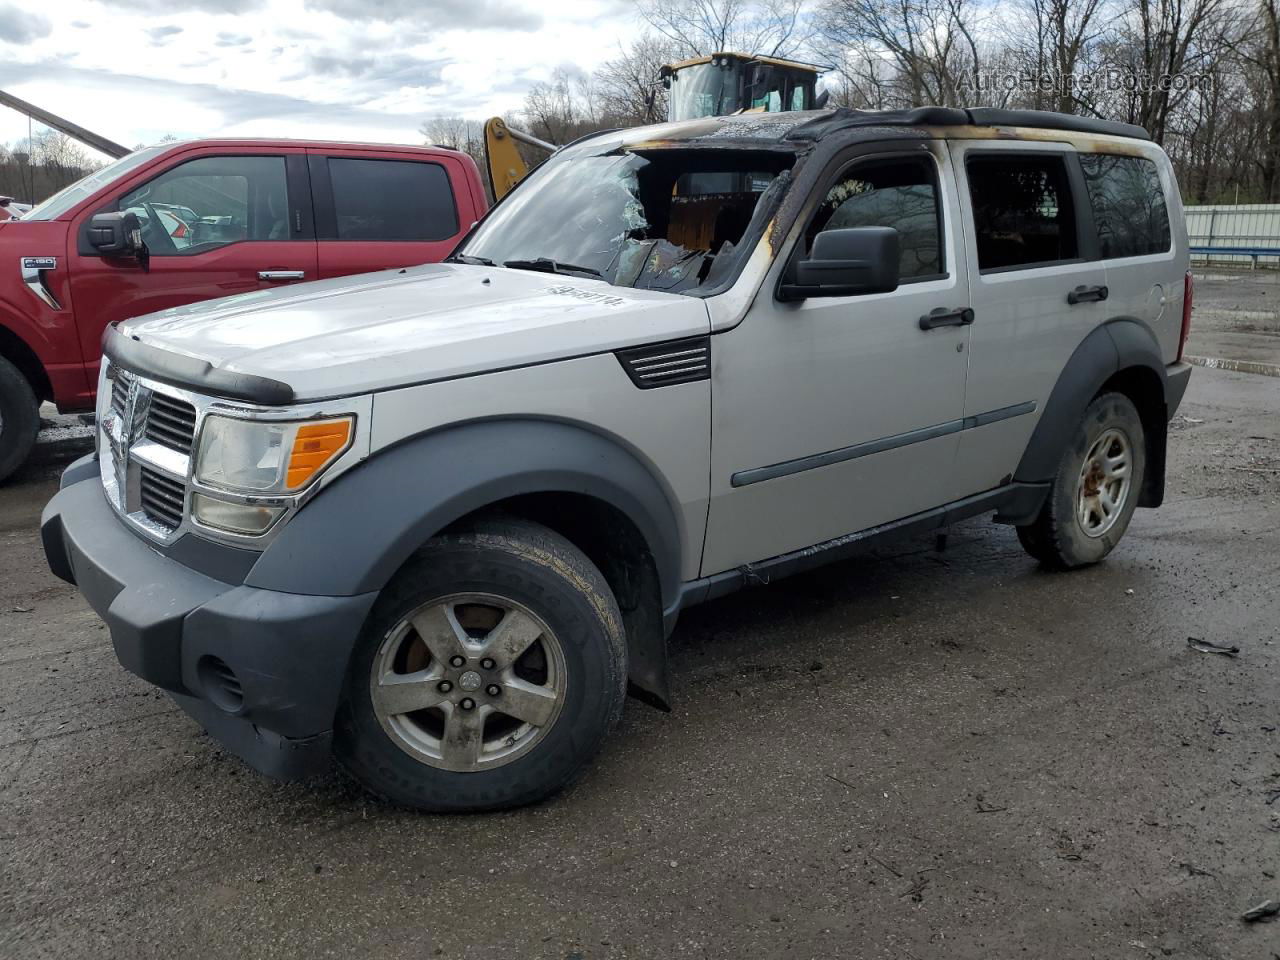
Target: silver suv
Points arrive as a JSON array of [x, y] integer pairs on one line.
[[435, 522]]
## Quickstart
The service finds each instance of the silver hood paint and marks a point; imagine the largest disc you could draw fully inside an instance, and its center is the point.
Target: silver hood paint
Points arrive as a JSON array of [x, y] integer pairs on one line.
[[378, 331]]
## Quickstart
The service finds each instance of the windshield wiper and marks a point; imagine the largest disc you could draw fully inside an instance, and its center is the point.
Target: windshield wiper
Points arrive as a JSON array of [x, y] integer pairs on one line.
[[547, 265], [469, 258]]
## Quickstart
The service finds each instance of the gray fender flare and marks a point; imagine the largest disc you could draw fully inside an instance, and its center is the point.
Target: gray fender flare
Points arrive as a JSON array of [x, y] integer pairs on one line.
[[357, 532], [1116, 345]]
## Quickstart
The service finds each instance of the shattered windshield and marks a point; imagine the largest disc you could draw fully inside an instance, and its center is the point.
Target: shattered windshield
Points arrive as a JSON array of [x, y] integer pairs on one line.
[[666, 220]]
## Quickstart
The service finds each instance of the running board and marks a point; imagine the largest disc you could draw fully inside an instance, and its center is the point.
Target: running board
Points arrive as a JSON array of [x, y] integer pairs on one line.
[[1016, 503]]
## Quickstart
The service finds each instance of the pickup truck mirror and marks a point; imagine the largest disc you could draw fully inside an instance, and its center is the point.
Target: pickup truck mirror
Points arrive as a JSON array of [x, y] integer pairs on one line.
[[846, 262], [116, 234]]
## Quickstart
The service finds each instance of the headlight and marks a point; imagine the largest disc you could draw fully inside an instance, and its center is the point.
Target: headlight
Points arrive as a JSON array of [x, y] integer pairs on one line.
[[268, 457]]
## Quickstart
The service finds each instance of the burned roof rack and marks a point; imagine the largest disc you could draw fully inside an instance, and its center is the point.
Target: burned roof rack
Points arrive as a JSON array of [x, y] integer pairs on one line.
[[992, 117], [844, 119]]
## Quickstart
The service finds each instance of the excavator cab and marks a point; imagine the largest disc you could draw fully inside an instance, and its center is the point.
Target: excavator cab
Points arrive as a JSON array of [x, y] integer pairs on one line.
[[725, 83], [711, 86]]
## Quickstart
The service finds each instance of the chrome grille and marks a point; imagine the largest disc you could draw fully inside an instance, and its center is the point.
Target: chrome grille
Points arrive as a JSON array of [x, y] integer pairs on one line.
[[161, 497], [171, 422], [120, 392]]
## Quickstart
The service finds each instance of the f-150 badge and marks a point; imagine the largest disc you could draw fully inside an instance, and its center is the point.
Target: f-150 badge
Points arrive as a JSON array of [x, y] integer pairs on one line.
[[33, 269]]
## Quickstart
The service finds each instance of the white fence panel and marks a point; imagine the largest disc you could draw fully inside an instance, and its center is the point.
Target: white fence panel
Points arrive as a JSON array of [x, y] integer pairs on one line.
[[1252, 225]]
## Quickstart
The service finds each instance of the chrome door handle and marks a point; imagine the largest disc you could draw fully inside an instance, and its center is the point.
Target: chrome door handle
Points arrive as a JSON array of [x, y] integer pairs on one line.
[[942, 317], [281, 274]]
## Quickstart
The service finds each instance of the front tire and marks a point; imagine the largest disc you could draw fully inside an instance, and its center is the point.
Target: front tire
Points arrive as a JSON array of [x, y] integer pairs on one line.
[[19, 418], [1096, 489], [488, 674]]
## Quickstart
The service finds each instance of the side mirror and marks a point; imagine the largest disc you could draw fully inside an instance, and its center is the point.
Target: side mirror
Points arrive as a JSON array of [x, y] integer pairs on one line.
[[116, 234], [846, 262]]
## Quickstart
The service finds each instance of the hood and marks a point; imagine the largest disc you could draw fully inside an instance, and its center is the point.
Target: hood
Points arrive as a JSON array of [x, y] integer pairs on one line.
[[382, 330]]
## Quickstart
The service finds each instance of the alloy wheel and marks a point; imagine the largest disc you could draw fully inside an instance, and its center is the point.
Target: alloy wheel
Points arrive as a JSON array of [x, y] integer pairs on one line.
[[468, 682]]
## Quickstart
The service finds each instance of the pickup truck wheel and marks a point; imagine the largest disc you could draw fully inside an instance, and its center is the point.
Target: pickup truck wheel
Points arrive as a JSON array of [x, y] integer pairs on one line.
[[490, 670], [19, 418], [1095, 492]]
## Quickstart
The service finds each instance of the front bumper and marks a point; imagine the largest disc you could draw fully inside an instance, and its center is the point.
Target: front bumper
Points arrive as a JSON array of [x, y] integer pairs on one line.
[[262, 671]]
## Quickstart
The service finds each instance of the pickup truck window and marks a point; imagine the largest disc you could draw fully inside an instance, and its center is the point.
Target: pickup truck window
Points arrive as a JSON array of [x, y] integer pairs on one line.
[[392, 200], [68, 197], [210, 202], [663, 220]]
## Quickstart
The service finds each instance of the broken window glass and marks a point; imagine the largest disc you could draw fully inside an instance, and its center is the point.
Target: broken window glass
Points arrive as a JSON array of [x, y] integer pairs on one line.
[[659, 220]]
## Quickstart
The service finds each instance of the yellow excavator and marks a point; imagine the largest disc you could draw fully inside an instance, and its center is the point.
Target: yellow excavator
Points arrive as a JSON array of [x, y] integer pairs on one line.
[[714, 85]]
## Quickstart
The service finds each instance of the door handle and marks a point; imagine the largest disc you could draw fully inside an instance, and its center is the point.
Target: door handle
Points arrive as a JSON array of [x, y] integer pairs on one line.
[[1087, 295], [942, 317], [281, 274]]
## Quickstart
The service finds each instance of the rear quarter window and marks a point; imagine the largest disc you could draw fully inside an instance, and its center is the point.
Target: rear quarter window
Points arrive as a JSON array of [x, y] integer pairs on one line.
[[1129, 210], [392, 200]]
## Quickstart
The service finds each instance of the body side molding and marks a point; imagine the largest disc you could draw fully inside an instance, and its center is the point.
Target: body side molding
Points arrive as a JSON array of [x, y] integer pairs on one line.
[[788, 467]]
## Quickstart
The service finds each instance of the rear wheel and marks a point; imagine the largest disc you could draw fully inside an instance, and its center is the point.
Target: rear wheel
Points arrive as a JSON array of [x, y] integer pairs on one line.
[[489, 672], [1096, 489], [19, 418]]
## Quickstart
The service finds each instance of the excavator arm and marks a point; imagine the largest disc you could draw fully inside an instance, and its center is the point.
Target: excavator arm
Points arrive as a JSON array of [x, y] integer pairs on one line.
[[502, 156]]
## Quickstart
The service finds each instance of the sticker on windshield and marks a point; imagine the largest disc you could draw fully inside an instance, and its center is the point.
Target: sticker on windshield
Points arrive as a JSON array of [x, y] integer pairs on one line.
[[604, 299]]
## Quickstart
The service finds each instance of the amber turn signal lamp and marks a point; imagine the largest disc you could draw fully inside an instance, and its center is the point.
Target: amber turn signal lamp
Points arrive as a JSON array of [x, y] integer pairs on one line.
[[314, 446]]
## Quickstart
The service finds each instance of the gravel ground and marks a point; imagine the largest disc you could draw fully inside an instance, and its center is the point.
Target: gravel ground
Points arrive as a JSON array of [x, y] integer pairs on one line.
[[912, 755], [1237, 315]]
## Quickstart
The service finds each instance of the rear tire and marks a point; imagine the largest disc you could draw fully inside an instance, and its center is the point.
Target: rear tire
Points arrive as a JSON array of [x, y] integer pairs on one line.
[[19, 419], [505, 616], [1096, 489]]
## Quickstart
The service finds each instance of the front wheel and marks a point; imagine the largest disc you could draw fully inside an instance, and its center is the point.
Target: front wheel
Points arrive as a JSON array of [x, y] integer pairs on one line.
[[1096, 489], [488, 674], [19, 418]]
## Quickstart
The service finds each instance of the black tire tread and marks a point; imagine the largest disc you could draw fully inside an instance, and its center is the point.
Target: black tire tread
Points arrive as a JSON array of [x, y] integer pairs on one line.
[[531, 543], [21, 416], [1048, 539]]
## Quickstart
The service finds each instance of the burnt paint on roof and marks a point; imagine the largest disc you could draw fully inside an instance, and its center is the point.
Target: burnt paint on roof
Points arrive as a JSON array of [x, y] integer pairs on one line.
[[765, 130]]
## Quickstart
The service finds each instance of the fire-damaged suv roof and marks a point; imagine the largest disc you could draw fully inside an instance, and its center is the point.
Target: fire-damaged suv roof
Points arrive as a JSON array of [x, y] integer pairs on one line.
[[767, 130]]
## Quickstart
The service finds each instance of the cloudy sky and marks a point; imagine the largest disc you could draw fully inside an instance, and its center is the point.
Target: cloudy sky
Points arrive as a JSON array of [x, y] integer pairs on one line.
[[135, 70]]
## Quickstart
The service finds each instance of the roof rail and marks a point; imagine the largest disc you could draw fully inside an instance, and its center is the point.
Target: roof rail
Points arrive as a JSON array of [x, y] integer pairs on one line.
[[844, 118]]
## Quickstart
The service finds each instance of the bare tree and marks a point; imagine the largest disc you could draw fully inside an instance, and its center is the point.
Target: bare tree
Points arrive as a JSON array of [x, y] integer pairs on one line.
[[930, 43], [551, 110], [457, 133], [628, 88], [1053, 42], [775, 28], [1159, 40]]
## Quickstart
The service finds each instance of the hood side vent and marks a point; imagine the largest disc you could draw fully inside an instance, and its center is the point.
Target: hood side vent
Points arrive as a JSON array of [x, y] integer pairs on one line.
[[664, 364]]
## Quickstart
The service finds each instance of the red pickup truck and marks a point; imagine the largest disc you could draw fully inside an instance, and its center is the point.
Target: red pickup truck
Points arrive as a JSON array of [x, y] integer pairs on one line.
[[218, 217]]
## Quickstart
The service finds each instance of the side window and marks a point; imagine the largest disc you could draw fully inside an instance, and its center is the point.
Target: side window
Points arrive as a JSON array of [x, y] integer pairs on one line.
[[899, 193], [1128, 205], [210, 202], [1022, 212], [392, 200]]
